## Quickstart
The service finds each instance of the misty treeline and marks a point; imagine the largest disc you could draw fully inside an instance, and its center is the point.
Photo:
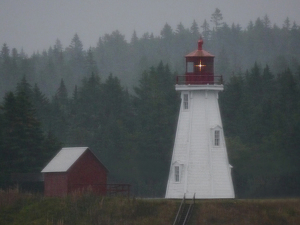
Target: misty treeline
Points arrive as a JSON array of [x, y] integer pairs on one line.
[[119, 99], [235, 48], [133, 134], [260, 112]]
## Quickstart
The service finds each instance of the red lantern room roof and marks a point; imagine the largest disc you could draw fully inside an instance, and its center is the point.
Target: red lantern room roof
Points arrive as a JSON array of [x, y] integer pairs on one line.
[[199, 52]]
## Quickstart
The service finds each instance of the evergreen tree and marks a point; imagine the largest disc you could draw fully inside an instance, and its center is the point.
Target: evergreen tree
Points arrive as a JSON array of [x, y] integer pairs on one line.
[[156, 107], [91, 65], [117, 130], [113, 56], [15, 61], [6, 76], [23, 147], [195, 29], [216, 18], [23, 138], [223, 65], [232, 105], [76, 48], [134, 39], [62, 94], [8, 115], [205, 30], [87, 113], [42, 106], [24, 87], [75, 56], [287, 24], [51, 146], [59, 113], [267, 22], [167, 32]]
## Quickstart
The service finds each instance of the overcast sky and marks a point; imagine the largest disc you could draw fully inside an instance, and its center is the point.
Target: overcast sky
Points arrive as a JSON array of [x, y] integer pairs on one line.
[[36, 24]]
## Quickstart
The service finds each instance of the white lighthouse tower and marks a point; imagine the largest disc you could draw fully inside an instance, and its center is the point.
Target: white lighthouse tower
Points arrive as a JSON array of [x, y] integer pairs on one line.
[[199, 165]]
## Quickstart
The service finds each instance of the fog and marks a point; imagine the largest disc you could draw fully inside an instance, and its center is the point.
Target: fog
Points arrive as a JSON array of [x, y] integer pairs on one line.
[[34, 25]]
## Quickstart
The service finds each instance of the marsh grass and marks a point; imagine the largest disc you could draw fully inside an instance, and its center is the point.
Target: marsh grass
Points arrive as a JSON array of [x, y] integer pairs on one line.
[[86, 208]]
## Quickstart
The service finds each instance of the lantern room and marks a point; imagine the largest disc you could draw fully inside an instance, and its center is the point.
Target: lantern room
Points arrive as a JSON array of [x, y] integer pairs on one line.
[[199, 68]]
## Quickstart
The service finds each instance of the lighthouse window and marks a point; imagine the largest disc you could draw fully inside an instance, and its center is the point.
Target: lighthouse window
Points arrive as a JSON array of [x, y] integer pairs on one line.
[[190, 67], [217, 138], [185, 101], [176, 173]]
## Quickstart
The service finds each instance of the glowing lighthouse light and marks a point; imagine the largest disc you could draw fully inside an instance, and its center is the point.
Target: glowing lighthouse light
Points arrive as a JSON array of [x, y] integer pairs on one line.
[[200, 65]]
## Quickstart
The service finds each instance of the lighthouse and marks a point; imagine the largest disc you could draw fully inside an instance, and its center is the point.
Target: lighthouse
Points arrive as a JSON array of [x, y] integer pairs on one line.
[[199, 166]]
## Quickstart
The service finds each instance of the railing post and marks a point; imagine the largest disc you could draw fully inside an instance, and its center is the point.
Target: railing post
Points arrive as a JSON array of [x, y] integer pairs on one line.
[[194, 198], [179, 210]]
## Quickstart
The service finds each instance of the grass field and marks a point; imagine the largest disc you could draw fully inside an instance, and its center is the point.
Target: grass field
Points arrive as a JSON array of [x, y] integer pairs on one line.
[[242, 212], [18, 208]]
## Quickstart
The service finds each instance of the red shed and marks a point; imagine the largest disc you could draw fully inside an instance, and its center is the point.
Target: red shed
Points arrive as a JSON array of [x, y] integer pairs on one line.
[[74, 169]]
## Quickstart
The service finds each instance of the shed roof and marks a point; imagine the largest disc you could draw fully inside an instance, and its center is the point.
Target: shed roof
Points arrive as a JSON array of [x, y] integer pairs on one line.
[[65, 158]]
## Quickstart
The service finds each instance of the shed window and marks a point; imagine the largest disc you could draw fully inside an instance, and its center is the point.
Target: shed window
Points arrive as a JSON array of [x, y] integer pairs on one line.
[[176, 170], [185, 101], [217, 138]]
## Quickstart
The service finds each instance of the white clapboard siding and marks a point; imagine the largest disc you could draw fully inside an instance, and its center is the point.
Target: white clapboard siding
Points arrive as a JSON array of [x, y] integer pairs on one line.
[[204, 168]]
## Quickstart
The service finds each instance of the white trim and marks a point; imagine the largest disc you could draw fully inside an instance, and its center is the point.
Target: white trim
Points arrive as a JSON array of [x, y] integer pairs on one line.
[[186, 101], [177, 174], [214, 87], [219, 140], [177, 178]]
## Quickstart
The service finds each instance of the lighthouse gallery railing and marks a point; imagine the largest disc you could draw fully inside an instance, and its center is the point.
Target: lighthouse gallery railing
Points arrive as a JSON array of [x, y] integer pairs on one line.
[[199, 80]]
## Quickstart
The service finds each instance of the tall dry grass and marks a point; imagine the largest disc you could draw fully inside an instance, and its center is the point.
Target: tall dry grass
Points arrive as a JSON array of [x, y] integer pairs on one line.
[[249, 212], [83, 208], [12, 195], [86, 208]]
